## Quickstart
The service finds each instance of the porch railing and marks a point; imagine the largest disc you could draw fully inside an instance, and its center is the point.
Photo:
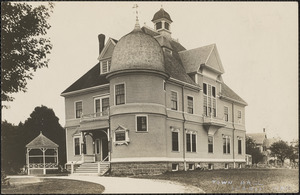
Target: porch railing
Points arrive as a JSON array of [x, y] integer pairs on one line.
[[94, 115]]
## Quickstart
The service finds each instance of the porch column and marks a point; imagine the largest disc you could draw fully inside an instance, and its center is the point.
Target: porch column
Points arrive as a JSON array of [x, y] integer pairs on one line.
[[81, 145], [108, 143]]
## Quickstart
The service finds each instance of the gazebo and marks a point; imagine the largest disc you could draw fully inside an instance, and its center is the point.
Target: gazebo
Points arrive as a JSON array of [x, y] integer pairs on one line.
[[41, 155]]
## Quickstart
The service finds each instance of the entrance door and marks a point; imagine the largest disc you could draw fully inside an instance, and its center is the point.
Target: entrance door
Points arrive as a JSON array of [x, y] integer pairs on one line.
[[98, 148]]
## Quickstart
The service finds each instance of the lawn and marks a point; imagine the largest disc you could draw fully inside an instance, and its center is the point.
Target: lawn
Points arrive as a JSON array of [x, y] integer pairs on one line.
[[237, 180], [54, 186]]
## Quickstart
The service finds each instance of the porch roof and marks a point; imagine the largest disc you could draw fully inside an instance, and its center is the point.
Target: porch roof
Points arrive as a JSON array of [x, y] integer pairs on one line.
[[41, 141]]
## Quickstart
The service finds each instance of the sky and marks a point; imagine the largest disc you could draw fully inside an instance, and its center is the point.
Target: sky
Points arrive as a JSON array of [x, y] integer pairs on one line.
[[257, 43]]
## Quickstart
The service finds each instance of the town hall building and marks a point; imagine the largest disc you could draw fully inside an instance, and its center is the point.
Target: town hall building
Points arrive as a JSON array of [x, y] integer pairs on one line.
[[150, 105]]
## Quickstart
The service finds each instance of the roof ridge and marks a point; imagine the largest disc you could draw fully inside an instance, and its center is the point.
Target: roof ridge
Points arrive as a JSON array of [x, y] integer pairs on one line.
[[213, 44]]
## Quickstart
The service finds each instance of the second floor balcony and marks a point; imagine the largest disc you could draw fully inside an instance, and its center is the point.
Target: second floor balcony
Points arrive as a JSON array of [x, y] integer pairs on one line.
[[214, 121], [95, 116]]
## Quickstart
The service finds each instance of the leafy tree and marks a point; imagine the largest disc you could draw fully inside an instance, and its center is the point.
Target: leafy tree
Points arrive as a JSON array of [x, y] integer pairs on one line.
[[281, 150], [23, 44], [294, 151], [12, 148], [253, 150]]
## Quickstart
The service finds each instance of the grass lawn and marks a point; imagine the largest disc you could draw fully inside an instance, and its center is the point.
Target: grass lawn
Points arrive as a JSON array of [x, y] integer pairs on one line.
[[237, 180], [55, 186]]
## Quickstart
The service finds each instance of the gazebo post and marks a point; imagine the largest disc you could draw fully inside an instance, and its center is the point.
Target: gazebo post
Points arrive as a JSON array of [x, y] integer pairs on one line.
[[44, 160], [27, 160], [56, 156]]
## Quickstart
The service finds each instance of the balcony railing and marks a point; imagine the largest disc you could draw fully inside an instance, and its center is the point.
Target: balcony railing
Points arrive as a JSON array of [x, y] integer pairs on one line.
[[214, 121], [95, 116]]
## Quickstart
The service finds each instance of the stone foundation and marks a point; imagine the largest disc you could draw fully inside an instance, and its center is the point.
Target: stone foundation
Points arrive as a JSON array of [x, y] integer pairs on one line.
[[138, 168], [153, 168]]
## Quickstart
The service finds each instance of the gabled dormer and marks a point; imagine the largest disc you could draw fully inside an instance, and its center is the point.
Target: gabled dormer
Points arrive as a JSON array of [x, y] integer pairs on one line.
[[106, 54], [162, 22]]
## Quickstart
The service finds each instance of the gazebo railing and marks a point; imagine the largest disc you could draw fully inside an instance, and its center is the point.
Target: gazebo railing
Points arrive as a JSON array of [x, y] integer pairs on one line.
[[41, 165]]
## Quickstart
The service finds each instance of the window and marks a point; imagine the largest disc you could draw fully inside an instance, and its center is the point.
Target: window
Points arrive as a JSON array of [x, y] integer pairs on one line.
[[190, 105], [191, 166], [239, 146], [240, 165], [190, 142], [226, 145], [158, 25], [167, 26], [209, 100], [210, 144], [226, 113], [205, 88], [78, 107], [77, 145], [120, 94], [175, 143], [101, 106], [121, 136], [105, 66], [210, 166], [164, 85], [174, 167], [174, 100], [141, 123], [239, 114], [226, 165], [105, 106], [97, 107]]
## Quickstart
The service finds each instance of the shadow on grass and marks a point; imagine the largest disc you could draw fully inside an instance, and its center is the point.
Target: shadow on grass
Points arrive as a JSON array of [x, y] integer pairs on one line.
[[53, 186]]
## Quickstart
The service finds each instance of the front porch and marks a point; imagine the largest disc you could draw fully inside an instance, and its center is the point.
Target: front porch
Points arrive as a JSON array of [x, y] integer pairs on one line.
[[94, 145]]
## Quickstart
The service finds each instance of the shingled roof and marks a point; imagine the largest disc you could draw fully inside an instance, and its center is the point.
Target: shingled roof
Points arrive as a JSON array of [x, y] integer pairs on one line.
[[258, 137], [41, 141], [90, 79], [161, 14], [227, 92], [192, 59]]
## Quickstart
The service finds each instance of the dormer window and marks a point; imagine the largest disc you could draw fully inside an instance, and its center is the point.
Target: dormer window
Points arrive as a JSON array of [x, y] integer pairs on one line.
[[167, 51], [158, 25], [105, 66]]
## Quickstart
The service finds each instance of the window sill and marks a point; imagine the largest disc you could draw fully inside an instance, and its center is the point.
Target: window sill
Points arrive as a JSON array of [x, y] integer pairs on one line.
[[141, 131], [175, 151], [119, 143]]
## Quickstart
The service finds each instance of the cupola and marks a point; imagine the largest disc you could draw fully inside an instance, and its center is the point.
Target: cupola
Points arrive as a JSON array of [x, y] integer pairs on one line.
[[162, 22]]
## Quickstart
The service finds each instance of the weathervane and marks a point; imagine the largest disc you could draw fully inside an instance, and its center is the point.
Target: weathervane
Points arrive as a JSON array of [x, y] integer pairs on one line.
[[136, 10]]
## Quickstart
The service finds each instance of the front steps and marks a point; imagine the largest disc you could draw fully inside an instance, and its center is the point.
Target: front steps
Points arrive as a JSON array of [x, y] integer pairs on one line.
[[92, 169]]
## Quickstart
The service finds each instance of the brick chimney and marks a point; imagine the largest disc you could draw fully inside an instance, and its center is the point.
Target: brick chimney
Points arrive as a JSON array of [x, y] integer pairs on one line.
[[101, 38]]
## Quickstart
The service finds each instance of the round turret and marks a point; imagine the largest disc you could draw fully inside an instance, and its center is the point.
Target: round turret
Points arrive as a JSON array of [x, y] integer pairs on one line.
[[137, 51]]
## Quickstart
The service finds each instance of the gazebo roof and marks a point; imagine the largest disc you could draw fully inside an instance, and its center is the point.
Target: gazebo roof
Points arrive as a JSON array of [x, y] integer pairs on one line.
[[41, 141]]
